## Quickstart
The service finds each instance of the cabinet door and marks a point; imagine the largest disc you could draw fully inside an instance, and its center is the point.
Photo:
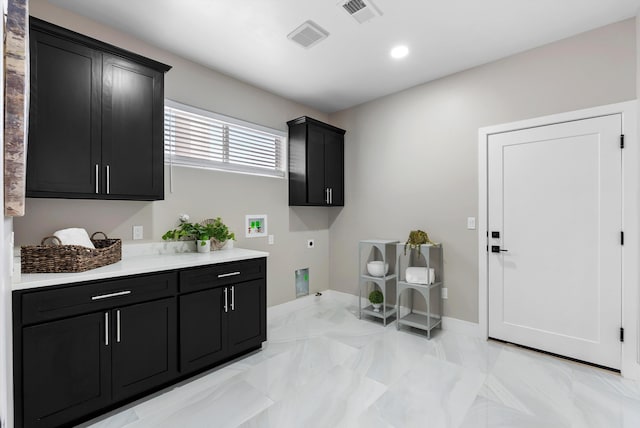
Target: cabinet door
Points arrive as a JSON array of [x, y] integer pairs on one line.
[[65, 370], [64, 119], [334, 167], [132, 130], [247, 315], [203, 328], [144, 347], [316, 188]]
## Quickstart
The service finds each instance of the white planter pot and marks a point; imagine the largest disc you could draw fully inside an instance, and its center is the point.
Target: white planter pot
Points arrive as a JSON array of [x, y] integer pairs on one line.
[[203, 246], [376, 307]]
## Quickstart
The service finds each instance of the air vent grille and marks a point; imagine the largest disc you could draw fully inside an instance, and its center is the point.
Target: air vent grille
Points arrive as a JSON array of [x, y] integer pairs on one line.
[[361, 10], [353, 6], [308, 34]]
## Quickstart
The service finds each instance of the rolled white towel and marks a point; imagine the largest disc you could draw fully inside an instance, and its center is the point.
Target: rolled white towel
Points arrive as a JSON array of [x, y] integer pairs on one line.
[[420, 275], [74, 236]]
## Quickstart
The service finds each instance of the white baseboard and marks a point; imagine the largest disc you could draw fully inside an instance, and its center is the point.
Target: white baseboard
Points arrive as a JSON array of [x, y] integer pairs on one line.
[[455, 325]]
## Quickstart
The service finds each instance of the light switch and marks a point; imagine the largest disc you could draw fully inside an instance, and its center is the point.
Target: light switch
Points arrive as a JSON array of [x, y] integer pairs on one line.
[[270, 239], [445, 293], [471, 223], [138, 232]]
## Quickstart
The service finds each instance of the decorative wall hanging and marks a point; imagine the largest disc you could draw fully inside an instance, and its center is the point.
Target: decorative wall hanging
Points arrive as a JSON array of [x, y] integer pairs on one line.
[[16, 86]]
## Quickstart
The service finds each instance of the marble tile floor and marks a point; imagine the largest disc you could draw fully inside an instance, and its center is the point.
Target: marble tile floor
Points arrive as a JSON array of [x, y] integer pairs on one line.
[[323, 367]]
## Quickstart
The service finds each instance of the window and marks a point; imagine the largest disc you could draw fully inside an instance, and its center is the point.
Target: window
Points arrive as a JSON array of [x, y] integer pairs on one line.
[[202, 139]]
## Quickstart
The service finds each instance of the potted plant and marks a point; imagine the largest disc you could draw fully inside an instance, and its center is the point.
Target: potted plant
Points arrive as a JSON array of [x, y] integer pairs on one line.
[[376, 298], [218, 232], [205, 233]]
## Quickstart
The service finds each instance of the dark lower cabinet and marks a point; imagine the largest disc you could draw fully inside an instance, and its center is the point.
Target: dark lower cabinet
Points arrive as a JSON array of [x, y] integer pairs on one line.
[[144, 347], [222, 322], [87, 348], [202, 329], [66, 370], [247, 316]]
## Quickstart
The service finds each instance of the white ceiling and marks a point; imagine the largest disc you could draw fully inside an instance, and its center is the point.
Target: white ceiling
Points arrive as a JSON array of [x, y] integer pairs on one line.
[[247, 39]]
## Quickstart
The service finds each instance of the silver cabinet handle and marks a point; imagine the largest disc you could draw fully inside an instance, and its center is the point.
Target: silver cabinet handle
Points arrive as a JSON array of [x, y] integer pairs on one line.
[[224, 275], [326, 195], [108, 178], [233, 298], [97, 179], [118, 326], [106, 328], [331, 195], [107, 296], [226, 307]]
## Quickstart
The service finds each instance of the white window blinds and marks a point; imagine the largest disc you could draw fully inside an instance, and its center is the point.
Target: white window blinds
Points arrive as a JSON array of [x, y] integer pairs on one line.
[[202, 139]]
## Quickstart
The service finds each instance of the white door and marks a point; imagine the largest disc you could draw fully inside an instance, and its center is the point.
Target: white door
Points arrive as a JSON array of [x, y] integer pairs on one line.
[[555, 199]]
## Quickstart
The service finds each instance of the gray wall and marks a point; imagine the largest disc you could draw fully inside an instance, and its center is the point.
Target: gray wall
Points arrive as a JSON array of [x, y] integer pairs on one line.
[[411, 158], [200, 193]]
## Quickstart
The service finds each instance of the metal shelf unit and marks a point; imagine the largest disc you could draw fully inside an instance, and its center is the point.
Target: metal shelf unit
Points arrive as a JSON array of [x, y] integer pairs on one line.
[[384, 251], [432, 293]]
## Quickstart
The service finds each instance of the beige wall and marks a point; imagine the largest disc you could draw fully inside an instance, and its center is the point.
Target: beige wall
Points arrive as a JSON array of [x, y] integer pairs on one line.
[[411, 158], [200, 193]]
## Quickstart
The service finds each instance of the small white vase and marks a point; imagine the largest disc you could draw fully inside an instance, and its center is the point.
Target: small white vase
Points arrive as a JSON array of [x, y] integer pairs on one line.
[[203, 246], [376, 307]]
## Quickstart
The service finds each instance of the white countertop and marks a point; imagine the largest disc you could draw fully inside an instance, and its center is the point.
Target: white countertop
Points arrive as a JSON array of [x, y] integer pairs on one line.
[[136, 264]]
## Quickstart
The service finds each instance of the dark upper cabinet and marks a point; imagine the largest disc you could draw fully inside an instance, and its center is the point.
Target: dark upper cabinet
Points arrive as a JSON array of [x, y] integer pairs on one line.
[[316, 163], [95, 120], [66, 369], [64, 117]]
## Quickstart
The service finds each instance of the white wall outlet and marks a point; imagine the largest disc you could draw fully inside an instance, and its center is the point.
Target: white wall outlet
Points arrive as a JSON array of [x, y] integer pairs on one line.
[[471, 223], [138, 232], [270, 239], [311, 243], [445, 293]]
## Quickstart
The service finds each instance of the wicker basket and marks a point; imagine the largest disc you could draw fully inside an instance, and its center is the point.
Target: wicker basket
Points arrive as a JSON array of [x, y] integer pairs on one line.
[[58, 258]]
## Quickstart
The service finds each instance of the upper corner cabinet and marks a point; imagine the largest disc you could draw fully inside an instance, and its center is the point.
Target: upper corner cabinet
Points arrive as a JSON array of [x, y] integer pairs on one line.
[[316, 163], [96, 119]]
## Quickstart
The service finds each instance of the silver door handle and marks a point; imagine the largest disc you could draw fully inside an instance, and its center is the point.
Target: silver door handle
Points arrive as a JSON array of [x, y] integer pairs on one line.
[[226, 307], [108, 296], [224, 275], [106, 328], [108, 178], [97, 179], [118, 326], [233, 298]]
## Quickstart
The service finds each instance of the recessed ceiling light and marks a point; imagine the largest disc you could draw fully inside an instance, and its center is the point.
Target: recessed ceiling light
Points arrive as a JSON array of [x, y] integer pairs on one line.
[[399, 52]]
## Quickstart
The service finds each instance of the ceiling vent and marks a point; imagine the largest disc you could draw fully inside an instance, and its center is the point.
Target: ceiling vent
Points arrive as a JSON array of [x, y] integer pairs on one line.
[[308, 34], [361, 10]]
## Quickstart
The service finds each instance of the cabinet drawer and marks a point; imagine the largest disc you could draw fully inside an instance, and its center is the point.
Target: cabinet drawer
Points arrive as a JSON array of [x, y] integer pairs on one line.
[[222, 274], [94, 296]]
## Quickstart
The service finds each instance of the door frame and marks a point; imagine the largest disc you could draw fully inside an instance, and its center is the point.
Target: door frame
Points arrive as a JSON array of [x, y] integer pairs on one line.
[[630, 359]]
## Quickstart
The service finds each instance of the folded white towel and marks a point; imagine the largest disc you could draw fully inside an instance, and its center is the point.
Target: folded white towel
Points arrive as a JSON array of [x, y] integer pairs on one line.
[[420, 275], [74, 236]]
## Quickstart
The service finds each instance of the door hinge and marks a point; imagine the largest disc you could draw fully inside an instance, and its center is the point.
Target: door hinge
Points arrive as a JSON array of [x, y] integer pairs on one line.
[[621, 334], [622, 141], [621, 238]]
